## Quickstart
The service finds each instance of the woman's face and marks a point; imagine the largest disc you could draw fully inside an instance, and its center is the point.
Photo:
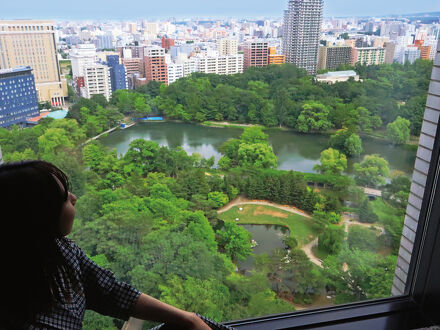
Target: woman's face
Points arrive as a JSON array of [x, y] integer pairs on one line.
[[67, 214]]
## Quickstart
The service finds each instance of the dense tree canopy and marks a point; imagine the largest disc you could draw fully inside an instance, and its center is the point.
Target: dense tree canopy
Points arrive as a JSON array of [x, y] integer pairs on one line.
[[398, 131], [332, 162], [151, 214], [251, 150], [372, 171]]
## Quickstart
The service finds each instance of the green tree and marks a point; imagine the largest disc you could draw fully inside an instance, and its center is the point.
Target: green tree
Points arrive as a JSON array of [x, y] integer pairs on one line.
[[397, 191], [331, 239], [347, 142], [71, 127], [372, 171], [399, 130], [366, 212], [218, 198], [332, 162], [142, 109], [54, 140], [413, 110], [208, 297], [141, 156], [366, 275], [313, 117], [258, 155], [363, 238], [251, 150], [252, 135], [235, 241]]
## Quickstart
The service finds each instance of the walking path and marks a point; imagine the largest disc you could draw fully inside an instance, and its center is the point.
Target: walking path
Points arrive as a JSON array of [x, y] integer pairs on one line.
[[308, 251], [346, 221], [243, 201], [107, 131]]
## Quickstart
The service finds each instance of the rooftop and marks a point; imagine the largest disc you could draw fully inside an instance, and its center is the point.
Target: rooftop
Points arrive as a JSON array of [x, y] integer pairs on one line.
[[17, 69], [350, 73]]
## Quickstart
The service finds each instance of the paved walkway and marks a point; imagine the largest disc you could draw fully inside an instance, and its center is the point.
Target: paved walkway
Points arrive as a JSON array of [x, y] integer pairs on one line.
[[244, 201], [308, 251], [346, 221], [349, 221], [106, 132]]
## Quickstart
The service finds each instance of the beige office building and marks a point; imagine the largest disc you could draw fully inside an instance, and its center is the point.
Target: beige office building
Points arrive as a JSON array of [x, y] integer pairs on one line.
[[32, 43], [227, 47]]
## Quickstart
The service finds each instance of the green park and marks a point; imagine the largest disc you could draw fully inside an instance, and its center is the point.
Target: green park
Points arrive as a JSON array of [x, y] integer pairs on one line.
[[148, 211]]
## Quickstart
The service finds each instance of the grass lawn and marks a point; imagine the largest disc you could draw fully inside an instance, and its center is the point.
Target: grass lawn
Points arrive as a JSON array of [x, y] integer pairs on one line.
[[300, 227], [384, 211]]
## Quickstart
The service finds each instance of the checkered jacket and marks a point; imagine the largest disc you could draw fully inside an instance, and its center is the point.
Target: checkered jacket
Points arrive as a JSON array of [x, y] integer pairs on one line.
[[99, 291]]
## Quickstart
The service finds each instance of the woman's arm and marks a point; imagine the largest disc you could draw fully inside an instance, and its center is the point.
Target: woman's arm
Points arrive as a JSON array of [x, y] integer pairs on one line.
[[149, 308]]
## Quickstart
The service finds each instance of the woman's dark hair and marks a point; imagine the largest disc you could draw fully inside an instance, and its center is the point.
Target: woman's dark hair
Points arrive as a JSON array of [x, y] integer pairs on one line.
[[32, 194]]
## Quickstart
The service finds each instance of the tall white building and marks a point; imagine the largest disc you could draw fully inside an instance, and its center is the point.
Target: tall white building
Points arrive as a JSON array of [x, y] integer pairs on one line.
[[301, 33], [189, 66], [227, 47], [230, 64], [81, 57], [431, 41], [96, 81], [410, 54], [175, 71]]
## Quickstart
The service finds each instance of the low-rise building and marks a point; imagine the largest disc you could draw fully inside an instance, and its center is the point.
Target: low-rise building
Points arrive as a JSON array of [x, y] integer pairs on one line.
[[274, 58], [337, 76], [230, 64]]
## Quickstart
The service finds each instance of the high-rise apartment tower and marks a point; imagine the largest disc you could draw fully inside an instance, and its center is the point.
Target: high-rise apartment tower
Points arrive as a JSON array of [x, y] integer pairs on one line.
[[32, 43], [301, 32], [155, 64]]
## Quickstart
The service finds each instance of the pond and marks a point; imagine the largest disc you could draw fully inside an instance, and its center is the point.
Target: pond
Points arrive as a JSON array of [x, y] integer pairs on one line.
[[268, 237], [295, 151]]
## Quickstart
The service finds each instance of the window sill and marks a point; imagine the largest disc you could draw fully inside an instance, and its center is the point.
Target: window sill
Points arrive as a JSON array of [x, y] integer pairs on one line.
[[390, 313]]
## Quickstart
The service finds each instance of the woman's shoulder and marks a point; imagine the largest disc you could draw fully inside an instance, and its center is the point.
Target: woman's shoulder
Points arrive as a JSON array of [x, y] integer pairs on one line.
[[69, 249]]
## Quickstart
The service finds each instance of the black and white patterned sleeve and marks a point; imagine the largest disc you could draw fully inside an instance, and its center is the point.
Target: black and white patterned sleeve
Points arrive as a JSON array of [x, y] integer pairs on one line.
[[104, 293]]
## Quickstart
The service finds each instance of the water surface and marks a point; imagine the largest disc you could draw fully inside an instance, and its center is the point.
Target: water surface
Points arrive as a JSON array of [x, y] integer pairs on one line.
[[295, 151], [268, 237]]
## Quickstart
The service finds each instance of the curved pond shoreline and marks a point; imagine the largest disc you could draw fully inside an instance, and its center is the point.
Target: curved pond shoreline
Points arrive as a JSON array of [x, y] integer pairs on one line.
[[295, 151]]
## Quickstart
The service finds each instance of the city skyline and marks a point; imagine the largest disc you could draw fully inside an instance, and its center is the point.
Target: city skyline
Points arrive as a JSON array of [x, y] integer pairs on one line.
[[112, 10]]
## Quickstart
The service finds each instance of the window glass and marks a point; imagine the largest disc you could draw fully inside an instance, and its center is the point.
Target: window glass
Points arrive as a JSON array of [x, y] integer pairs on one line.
[[236, 167]]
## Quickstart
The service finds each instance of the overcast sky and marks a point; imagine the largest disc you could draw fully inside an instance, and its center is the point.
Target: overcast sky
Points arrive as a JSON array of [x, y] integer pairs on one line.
[[133, 9]]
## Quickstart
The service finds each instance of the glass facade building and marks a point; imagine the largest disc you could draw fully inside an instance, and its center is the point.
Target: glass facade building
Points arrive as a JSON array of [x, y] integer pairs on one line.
[[117, 73], [18, 96]]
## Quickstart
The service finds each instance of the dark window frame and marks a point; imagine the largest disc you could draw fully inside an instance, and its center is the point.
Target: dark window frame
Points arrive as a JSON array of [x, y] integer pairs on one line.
[[417, 308]]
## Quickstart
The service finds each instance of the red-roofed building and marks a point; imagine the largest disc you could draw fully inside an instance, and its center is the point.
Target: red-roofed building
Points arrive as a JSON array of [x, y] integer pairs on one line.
[[36, 119]]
